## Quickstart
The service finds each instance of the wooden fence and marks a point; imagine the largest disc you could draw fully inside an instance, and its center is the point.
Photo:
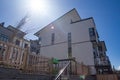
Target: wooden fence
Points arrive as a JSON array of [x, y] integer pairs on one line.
[[107, 77], [82, 69], [11, 55], [38, 64]]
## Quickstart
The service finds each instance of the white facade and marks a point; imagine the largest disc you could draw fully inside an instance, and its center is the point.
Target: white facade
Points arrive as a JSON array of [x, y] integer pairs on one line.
[[82, 48]]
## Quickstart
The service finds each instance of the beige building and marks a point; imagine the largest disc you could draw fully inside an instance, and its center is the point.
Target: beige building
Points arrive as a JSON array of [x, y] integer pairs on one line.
[[15, 52], [13, 46]]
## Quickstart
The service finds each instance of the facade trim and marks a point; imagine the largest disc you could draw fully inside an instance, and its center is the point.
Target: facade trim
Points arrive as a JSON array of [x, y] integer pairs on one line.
[[81, 20], [65, 42]]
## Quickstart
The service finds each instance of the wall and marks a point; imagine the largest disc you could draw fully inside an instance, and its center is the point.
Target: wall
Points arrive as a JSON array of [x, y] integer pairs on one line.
[[81, 45], [6, 32]]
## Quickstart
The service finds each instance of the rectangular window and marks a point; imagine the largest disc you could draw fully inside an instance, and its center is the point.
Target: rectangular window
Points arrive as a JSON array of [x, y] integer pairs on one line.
[[69, 39], [16, 54], [0, 48], [100, 48], [69, 45], [39, 42], [92, 34], [0, 36], [23, 56], [95, 52], [3, 37], [17, 42], [26, 45], [52, 38], [40, 38], [92, 31]]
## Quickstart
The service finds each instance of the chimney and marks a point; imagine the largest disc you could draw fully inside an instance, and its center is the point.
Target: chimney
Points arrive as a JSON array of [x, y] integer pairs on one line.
[[2, 24]]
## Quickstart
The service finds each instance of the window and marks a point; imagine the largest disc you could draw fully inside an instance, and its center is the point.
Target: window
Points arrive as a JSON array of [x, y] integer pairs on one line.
[[17, 42], [95, 52], [3, 37], [26, 45], [100, 48], [69, 39], [37, 52], [0, 48], [23, 56], [53, 38], [92, 31], [40, 39], [69, 45], [92, 35], [16, 54]]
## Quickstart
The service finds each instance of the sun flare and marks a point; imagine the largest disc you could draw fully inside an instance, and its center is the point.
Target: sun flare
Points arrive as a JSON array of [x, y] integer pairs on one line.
[[38, 6]]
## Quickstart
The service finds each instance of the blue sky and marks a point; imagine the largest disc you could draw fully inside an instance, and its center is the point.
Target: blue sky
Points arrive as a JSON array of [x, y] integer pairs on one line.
[[106, 14]]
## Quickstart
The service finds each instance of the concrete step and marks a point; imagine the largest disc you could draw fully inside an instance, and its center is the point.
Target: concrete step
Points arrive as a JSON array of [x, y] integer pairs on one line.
[[75, 77], [66, 77], [13, 74]]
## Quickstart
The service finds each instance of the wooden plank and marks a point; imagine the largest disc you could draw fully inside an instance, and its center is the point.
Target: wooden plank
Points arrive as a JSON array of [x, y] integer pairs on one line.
[[107, 77]]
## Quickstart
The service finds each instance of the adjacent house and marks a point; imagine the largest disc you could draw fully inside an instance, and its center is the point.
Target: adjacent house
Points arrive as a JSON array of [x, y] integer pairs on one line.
[[17, 52], [12, 45]]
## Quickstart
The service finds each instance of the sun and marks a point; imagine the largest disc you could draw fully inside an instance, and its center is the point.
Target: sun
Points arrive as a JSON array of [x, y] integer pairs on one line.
[[38, 6]]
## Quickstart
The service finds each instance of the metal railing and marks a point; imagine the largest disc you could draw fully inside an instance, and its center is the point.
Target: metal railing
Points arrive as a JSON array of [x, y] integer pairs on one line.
[[61, 71]]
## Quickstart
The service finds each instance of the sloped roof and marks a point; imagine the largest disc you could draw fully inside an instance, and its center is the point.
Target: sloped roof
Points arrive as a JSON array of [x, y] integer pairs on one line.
[[73, 10], [11, 28]]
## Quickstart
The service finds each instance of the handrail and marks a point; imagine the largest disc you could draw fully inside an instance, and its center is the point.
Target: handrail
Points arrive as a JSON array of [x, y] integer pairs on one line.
[[61, 71]]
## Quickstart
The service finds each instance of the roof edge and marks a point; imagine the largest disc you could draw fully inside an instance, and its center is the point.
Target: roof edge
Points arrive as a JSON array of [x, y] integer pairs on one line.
[[36, 34]]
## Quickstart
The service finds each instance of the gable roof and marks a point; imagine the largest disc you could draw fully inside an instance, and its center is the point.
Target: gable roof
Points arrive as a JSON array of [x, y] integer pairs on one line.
[[13, 29], [73, 10]]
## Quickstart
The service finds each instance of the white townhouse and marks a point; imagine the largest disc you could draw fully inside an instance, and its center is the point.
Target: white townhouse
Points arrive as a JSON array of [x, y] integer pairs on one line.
[[80, 35]]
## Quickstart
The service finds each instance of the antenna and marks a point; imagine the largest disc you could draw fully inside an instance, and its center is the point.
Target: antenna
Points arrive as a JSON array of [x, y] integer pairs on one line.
[[23, 21]]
